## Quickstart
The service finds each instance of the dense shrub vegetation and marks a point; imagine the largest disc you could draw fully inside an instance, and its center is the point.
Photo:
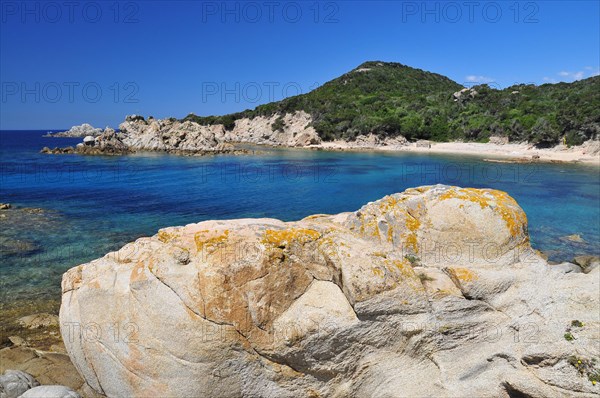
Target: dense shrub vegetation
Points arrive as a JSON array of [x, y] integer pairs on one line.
[[390, 99]]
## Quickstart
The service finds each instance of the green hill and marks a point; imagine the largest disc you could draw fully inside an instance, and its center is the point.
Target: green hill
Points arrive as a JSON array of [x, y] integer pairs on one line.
[[390, 99]]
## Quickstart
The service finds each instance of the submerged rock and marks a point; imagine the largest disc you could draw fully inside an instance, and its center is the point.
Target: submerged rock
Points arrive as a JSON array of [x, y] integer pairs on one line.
[[435, 290], [576, 238], [38, 321], [14, 247]]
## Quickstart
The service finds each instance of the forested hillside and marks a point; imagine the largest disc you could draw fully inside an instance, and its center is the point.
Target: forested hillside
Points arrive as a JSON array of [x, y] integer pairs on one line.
[[390, 99]]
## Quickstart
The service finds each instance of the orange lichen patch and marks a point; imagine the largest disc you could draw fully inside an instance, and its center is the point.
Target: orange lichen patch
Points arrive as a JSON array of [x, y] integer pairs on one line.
[[463, 274], [94, 284], [508, 208], [72, 279], [137, 272], [315, 216], [165, 236], [513, 215], [413, 191], [390, 234], [406, 270], [210, 239], [389, 203], [410, 238], [377, 272], [379, 254], [329, 248], [369, 226], [402, 273], [470, 194], [282, 238]]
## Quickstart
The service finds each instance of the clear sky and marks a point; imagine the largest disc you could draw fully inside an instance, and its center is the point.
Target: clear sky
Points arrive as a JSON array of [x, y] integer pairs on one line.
[[68, 62]]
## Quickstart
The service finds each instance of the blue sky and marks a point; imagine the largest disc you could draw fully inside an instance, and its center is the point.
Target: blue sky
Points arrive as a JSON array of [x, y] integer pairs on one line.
[[66, 63]]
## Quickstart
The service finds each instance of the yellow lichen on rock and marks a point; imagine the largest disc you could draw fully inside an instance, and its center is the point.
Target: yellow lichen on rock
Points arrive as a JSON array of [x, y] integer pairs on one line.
[[210, 239], [165, 237], [283, 237], [389, 203], [412, 224], [462, 274], [511, 213]]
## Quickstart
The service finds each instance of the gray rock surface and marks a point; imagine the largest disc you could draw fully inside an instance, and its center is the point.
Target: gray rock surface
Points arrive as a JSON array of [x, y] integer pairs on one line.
[[38, 320], [79, 131], [431, 292], [587, 263], [50, 392], [13, 383], [48, 368], [174, 135]]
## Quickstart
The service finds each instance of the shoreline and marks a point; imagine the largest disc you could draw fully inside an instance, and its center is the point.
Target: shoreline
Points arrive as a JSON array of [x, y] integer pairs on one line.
[[588, 153], [504, 153]]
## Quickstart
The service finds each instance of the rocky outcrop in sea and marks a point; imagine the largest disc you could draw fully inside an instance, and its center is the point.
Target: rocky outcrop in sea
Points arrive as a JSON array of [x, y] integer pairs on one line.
[[434, 291], [78, 131], [107, 143]]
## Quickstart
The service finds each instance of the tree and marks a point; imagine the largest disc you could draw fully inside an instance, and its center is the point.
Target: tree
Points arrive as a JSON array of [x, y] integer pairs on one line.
[[543, 134]]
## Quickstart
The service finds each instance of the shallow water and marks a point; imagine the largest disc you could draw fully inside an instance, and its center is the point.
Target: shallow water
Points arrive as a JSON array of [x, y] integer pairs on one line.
[[96, 204]]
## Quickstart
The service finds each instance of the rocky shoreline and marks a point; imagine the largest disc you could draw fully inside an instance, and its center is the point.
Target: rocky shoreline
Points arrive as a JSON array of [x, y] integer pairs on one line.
[[295, 131]]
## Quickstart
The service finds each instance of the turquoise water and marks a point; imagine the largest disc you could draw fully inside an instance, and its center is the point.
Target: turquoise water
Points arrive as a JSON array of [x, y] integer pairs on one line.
[[96, 204]]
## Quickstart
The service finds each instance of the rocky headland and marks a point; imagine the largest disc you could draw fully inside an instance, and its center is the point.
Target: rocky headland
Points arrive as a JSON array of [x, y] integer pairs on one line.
[[434, 291]]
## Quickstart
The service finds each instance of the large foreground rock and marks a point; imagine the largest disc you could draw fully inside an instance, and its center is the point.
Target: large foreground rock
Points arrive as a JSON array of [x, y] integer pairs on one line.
[[431, 292]]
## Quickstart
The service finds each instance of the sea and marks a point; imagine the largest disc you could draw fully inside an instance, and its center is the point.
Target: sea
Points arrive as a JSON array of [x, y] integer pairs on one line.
[[70, 209]]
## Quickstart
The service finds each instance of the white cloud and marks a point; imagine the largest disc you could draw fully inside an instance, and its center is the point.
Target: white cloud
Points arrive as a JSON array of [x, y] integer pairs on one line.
[[479, 79], [572, 76]]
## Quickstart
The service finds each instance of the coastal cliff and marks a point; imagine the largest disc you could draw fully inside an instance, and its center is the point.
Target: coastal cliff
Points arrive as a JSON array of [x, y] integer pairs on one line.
[[172, 134], [433, 291], [187, 137]]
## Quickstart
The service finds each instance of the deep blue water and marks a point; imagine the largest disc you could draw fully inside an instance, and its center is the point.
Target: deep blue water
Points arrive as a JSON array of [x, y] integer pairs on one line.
[[97, 204]]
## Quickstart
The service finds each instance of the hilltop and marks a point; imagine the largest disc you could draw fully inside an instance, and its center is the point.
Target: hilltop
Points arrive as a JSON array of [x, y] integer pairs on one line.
[[390, 99]]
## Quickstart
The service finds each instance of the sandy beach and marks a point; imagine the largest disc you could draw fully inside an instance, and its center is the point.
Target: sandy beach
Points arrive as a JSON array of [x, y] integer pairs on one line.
[[588, 153]]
